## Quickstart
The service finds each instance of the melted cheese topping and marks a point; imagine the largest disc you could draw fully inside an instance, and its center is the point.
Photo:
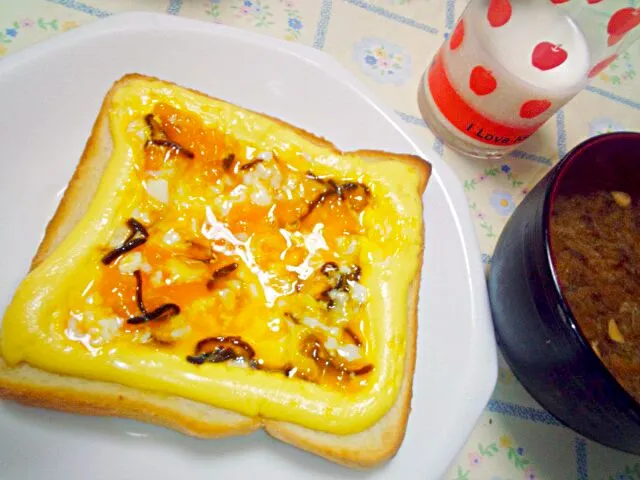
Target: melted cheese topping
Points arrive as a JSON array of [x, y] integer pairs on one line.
[[254, 233]]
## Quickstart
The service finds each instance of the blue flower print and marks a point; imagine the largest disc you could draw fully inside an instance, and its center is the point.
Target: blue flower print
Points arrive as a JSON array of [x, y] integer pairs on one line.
[[502, 202], [295, 23], [505, 168], [382, 60], [247, 3], [370, 59], [12, 32]]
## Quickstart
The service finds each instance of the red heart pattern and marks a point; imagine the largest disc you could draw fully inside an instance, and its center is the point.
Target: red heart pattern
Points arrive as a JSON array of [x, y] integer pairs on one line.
[[482, 81], [546, 56], [533, 108], [499, 12], [458, 36], [622, 22]]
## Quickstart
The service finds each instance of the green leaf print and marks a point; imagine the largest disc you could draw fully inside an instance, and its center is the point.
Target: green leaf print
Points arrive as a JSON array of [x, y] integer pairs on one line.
[[213, 10], [488, 451], [462, 475], [516, 459], [488, 229], [470, 184]]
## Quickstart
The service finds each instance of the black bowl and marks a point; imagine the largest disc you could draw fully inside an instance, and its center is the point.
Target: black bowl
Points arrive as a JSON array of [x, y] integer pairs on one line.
[[535, 329]]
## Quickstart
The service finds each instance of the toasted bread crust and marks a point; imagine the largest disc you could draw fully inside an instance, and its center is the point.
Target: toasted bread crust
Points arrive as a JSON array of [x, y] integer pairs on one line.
[[81, 187], [35, 387], [38, 388]]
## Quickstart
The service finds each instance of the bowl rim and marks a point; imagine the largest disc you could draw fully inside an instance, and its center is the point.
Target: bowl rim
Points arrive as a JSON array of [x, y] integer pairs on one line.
[[617, 391]]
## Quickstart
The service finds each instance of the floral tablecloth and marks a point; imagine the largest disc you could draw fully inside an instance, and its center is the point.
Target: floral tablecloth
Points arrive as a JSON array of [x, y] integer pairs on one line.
[[388, 43]]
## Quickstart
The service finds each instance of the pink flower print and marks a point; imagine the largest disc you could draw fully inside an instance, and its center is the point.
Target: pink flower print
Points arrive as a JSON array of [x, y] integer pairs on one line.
[[27, 23], [530, 473], [474, 459], [245, 11], [481, 215], [289, 4]]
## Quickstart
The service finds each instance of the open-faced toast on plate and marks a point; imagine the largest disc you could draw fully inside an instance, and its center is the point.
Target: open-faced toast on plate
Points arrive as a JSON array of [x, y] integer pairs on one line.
[[215, 271]]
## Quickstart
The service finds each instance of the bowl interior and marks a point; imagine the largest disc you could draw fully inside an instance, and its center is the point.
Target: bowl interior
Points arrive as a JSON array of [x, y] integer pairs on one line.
[[606, 163]]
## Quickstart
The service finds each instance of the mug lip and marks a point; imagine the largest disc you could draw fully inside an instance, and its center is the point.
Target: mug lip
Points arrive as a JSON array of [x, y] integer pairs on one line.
[[618, 392]]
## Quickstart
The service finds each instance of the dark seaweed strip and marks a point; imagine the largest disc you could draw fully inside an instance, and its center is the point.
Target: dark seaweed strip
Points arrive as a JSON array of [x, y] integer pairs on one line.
[[130, 242], [156, 129], [329, 268], [251, 164], [223, 341], [219, 355], [122, 249], [197, 359], [161, 313], [228, 161], [342, 283], [324, 297], [164, 311], [139, 300], [292, 317], [152, 124], [335, 188], [362, 370], [354, 338], [136, 226], [352, 186], [224, 271], [169, 144], [313, 176], [321, 198], [221, 273], [317, 351]]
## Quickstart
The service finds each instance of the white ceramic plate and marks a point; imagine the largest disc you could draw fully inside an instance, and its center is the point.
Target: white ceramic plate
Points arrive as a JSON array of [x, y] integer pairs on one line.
[[50, 95]]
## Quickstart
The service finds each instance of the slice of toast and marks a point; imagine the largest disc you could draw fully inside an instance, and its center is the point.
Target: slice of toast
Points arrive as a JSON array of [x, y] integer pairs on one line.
[[38, 387]]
